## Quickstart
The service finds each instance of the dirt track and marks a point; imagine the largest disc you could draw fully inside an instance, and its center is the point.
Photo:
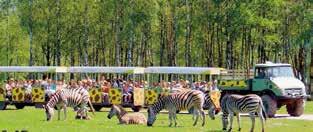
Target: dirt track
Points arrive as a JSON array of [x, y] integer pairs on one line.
[[286, 116]]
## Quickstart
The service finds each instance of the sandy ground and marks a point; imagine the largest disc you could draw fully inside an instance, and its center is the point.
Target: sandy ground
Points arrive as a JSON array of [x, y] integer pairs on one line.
[[302, 117]]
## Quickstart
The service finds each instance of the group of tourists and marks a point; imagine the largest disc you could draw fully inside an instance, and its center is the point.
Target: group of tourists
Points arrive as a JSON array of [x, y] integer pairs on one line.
[[127, 86]]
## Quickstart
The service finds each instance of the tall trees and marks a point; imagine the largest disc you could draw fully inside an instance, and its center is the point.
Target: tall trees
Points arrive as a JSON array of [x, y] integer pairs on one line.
[[229, 34]]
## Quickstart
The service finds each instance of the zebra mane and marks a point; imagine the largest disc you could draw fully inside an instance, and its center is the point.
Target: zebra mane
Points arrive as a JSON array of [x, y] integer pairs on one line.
[[160, 104]]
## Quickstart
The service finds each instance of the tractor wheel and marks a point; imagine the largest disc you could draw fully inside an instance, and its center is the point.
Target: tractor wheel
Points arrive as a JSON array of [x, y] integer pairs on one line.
[[97, 107], [19, 106], [295, 108], [270, 105], [2, 105], [136, 108]]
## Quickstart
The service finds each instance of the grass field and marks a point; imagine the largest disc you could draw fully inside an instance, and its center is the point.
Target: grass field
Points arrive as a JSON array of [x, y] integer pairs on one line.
[[32, 119]]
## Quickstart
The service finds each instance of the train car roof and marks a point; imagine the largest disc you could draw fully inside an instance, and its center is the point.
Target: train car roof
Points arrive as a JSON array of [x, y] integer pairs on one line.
[[49, 69], [129, 70], [184, 70]]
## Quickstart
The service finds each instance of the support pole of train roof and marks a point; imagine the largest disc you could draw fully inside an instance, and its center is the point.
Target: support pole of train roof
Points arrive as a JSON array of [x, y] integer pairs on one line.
[[148, 80]]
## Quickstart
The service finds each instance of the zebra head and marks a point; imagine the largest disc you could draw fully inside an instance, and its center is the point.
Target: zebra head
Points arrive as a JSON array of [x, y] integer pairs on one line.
[[113, 111], [49, 112], [213, 110], [212, 113], [151, 116]]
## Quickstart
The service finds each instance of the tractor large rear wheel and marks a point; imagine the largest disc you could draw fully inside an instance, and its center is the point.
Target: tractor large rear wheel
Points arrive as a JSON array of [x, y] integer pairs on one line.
[[295, 108], [270, 105]]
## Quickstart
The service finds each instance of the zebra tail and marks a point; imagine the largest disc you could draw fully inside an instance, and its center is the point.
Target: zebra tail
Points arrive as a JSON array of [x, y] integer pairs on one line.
[[263, 111], [90, 105]]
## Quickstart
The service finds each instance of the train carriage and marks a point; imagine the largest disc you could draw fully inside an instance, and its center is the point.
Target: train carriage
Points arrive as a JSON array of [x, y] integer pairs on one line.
[[101, 99], [18, 97], [189, 73]]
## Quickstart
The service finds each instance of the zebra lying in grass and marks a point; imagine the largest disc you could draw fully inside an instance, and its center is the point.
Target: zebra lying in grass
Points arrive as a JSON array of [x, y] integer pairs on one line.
[[76, 98], [126, 118], [235, 104], [179, 101]]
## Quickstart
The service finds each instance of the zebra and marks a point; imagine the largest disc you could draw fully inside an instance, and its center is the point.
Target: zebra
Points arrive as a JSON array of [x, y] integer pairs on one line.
[[178, 101], [208, 104], [213, 108], [126, 118], [235, 104], [74, 97]]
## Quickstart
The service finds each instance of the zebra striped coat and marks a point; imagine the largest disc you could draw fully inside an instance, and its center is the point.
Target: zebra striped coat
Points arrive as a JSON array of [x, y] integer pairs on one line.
[[76, 98], [235, 104], [209, 104], [126, 118], [178, 101]]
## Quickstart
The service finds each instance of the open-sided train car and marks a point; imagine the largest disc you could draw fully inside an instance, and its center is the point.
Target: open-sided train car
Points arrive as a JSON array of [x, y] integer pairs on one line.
[[100, 99], [190, 73], [18, 97], [142, 97]]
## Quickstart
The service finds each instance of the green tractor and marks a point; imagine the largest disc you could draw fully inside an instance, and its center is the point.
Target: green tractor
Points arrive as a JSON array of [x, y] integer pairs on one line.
[[276, 84]]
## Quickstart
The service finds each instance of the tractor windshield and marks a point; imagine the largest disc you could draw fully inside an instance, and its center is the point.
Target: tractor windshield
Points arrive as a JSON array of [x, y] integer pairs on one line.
[[276, 71], [284, 71]]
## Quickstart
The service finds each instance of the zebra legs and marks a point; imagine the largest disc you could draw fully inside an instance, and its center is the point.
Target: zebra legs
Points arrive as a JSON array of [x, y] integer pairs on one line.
[[238, 121], [225, 121], [231, 117], [59, 109], [203, 117], [172, 116], [261, 118], [252, 116], [196, 114], [65, 114]]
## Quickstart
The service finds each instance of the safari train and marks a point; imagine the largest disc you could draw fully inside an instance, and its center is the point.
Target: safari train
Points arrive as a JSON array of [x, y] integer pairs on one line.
[[142, 97]]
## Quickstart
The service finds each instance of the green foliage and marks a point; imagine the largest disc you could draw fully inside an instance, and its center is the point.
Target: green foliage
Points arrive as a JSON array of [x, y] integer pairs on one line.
[[220, 32]]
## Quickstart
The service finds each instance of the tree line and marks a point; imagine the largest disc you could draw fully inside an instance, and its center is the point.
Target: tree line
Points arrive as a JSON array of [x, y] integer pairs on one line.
[[231, 34]]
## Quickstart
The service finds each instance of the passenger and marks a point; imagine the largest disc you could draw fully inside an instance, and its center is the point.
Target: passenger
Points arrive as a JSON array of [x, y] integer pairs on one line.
[[50, 88], [105, 90], [125, 91], [60, 85], [28, 89], [214, 86], [8, 88]]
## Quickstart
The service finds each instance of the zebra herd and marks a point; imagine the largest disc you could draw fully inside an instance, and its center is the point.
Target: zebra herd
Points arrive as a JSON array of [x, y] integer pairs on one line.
[[231, 105]]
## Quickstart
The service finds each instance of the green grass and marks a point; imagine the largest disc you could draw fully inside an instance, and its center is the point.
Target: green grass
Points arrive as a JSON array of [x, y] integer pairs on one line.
[[33, 120]]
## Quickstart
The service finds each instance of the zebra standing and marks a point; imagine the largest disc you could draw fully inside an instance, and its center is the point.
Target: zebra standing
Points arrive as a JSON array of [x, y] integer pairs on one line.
[[235, 104], [178, 101], [74, 97], [208, 104], [213, 108]]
